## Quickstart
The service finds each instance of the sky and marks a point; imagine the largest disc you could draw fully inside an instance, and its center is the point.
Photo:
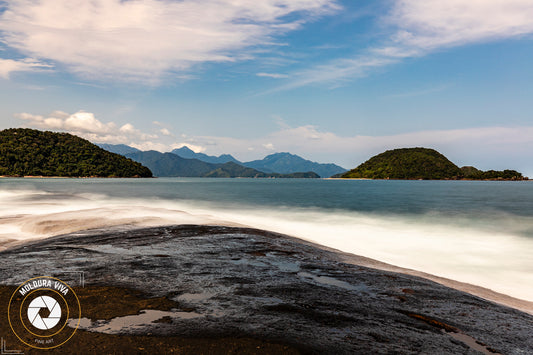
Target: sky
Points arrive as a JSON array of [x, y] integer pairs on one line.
[[330, 80]]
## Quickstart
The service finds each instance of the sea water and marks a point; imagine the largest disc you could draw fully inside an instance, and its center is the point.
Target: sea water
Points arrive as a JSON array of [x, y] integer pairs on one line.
[[479, 232]]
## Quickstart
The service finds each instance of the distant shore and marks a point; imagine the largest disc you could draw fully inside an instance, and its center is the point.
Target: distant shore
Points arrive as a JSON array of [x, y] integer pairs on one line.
[[183, 177], [523, 179], [74, 177]]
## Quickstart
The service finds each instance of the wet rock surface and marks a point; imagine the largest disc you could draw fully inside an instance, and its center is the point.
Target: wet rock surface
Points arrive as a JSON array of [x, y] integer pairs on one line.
[[231, 282]]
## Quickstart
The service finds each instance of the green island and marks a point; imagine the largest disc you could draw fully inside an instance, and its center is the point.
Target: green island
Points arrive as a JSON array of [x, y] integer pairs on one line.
[[30, 152], [422, 164]]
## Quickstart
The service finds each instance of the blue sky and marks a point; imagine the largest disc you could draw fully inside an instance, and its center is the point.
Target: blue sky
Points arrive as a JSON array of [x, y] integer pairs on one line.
[[330, 80]]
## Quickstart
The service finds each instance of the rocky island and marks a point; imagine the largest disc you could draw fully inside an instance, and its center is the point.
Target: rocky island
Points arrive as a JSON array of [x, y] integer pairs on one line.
[[422, 164], [30, 152]]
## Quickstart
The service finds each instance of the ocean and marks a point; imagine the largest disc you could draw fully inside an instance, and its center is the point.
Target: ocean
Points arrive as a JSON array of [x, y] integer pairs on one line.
[[479, 232]]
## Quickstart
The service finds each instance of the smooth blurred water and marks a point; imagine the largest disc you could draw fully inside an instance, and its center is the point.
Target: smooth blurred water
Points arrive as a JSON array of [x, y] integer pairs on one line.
[[474, 231], [379, 196]]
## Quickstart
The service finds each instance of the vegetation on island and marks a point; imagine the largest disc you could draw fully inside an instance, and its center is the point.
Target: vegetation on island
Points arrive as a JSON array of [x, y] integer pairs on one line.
[[232, 169], [30, 152], [422, 163], [469, 172]]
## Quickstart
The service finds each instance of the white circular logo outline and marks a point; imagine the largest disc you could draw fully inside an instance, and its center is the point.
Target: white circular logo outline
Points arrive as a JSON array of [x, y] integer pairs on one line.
[[35, 307]]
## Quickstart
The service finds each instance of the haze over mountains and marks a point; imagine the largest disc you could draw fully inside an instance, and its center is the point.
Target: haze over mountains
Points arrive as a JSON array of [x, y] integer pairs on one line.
[[187, 163]]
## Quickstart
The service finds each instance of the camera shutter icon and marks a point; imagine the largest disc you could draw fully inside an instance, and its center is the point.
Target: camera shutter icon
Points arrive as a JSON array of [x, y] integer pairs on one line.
[[54, 309]]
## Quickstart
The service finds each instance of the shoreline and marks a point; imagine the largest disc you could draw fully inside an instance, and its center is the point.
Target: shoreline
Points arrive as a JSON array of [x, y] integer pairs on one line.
[[198, 282], [74, 177], [351, 258], [238, 177], [359, 179]]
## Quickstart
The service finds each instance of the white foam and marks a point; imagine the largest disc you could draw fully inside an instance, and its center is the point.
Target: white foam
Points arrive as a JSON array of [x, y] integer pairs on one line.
[[460, 249]]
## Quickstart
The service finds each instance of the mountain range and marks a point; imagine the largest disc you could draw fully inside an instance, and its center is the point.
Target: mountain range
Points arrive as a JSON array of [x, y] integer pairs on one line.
[[121, 149], [285, 163], [169, 164], [198, 164], [187, 153]]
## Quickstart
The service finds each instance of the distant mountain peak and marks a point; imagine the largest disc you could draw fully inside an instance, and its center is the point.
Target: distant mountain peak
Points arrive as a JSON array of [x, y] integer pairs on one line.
[[279, 162], [121, 149], [184, 149], [187, 153], [287, 163]]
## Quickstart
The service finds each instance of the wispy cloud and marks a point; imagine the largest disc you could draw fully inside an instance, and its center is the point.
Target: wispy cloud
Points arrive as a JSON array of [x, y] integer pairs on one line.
[[9, 66], [420, 27], [272, 75], [422, 92], [143, 40]]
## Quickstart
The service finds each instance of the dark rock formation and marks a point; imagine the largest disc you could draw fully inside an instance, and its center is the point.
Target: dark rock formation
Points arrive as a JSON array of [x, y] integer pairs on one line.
[[238, 282]]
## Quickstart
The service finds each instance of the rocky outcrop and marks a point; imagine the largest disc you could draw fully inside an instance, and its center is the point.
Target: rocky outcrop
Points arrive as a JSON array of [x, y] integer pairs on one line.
[[236, 282]]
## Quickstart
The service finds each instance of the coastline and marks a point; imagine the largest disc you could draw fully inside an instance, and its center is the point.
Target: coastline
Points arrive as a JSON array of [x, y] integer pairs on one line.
[[74, 177], [354, 259], [309, 298], [463, 179]]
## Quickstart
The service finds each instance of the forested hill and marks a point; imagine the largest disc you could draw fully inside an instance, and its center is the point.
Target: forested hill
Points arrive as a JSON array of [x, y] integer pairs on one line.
[[422, 163], [30, 152]]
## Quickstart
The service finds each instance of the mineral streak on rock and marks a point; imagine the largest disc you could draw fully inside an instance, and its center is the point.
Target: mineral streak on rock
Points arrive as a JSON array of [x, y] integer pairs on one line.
[[261, 285]]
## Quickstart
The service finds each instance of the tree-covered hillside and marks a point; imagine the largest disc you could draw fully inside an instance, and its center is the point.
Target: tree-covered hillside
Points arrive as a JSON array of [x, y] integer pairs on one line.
[[422, 163], [30, 152], [231, 169], [406, 163], [471, 173]]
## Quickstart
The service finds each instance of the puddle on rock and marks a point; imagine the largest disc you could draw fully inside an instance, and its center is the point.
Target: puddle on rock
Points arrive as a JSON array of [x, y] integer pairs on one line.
[[248, 262], [195, 297], [285, 266], [330, 281], [472, 343], [131, 322]]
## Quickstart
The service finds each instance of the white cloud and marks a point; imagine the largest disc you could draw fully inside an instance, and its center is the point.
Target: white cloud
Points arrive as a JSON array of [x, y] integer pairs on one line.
[[86, 125], [145, 39], [430, 24], [165, 132], [268, 146], [85, 122], [272, 75], [420, 27], [8, 66]]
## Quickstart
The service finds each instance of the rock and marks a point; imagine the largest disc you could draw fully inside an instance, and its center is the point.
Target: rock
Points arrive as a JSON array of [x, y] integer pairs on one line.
[[261, 285]]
